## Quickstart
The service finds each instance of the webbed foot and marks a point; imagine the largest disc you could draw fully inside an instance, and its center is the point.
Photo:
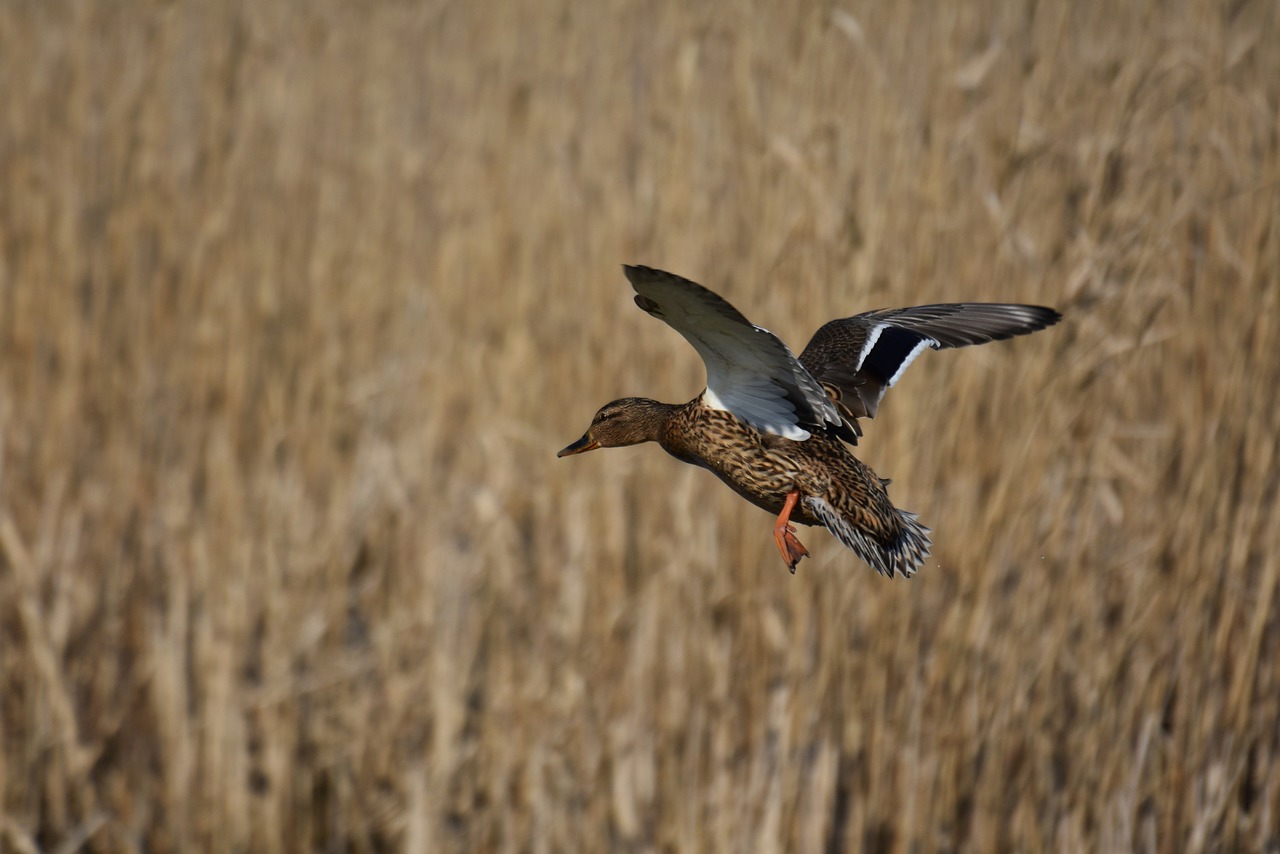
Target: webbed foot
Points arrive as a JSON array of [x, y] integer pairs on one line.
[[784, 534]]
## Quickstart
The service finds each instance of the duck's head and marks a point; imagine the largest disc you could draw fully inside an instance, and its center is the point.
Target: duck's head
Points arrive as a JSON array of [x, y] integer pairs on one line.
[[628, 421]]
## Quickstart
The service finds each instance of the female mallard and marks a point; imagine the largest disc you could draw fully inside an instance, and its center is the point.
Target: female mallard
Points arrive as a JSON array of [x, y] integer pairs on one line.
[[774, 427]]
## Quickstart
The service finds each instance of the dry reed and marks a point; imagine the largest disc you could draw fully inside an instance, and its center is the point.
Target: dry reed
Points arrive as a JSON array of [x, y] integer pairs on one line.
[[298, 301]]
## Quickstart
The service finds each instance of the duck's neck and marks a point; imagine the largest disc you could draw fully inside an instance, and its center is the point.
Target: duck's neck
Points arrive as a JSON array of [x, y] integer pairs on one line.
[[676, 426], [654, 419]]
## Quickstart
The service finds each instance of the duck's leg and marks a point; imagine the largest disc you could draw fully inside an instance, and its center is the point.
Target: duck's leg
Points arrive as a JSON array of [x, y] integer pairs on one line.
[[785, 535]]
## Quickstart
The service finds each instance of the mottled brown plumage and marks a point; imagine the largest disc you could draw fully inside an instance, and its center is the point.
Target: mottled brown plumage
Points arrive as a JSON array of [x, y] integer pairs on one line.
[[774, 427]]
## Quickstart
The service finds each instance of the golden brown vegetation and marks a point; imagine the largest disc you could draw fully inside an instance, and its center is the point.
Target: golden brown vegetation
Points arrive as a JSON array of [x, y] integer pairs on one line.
[[298, 301]]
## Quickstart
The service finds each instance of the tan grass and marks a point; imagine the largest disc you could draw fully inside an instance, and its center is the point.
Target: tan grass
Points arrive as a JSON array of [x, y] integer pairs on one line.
[[298, 301]]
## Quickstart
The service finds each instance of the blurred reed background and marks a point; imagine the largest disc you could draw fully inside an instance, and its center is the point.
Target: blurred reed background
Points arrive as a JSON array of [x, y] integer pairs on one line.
[[299, 300]]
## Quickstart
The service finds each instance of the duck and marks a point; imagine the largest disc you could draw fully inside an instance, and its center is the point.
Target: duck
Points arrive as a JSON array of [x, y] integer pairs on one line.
[[778, 428]]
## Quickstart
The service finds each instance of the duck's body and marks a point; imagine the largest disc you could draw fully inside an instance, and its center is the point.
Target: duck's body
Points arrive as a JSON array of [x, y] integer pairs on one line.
[[835, 489], [774, 428]]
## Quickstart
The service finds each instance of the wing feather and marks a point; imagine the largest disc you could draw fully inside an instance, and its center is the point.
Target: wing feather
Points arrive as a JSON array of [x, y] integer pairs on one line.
[[750, 372], [858, 358]]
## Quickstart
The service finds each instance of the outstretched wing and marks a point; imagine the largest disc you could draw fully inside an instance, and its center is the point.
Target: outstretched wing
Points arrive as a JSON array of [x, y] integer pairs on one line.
[[750, 372], [858, 358]]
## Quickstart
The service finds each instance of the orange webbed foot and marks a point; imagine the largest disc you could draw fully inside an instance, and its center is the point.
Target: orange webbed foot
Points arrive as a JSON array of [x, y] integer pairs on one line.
[[791, 548], [784, 534]]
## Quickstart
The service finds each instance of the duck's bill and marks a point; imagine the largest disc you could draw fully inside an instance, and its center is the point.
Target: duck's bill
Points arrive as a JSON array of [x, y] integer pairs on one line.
[[586, 443]]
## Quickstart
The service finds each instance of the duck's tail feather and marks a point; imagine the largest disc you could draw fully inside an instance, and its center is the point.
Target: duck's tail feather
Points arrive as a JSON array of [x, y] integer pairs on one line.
[[904, 554]]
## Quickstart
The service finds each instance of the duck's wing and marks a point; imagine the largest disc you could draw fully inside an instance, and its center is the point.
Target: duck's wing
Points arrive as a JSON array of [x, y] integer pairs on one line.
[[750, 372], [858, 358]]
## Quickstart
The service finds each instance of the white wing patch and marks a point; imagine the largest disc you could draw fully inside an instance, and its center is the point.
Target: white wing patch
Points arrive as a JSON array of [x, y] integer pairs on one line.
[[924, 344], [872, 337]]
